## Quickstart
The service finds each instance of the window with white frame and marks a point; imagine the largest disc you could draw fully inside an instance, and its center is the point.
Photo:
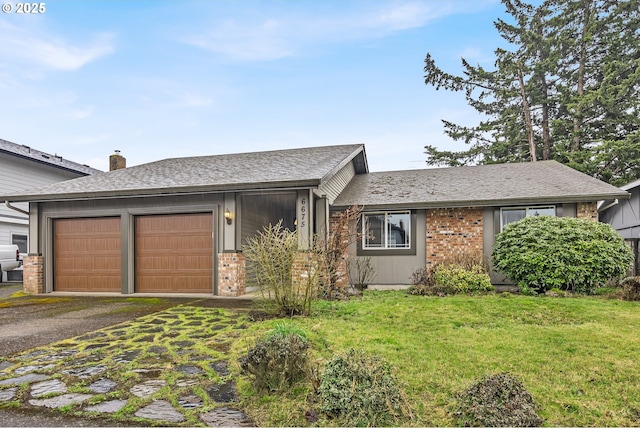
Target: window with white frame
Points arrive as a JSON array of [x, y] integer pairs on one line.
[[509, 215], [386, 230]]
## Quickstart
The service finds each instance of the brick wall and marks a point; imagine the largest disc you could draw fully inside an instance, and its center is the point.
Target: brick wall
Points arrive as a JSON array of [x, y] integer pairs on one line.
[[587, 210], [339, 231], [33, 274], [304, 272], [232, 274], [452, 231]]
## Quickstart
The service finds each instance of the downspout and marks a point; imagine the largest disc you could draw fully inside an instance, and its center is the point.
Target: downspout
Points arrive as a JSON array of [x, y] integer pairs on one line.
[[20, 210]]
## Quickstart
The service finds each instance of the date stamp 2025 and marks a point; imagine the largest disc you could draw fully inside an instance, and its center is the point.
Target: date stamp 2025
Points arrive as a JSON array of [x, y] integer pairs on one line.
[[24, 8]]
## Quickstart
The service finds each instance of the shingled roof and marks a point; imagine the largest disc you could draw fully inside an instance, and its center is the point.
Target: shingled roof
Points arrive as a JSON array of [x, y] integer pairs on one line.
[[485, 185], [56, 161], [243, 171]]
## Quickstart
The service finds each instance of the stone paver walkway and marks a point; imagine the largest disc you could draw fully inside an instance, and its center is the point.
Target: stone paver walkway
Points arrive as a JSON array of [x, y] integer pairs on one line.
[[169, 367]]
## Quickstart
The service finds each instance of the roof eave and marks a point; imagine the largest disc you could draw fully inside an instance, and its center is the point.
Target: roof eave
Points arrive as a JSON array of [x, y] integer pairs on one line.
[[164, 191], [345, 161], [491, 202], [53, 165]]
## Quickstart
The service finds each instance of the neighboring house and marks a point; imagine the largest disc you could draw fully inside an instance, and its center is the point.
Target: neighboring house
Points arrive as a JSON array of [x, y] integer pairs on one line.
[[178, 225], [22, 167], [624, 216]]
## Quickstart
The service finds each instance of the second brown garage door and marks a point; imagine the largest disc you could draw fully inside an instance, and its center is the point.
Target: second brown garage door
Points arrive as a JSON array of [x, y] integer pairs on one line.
[[174, 253]]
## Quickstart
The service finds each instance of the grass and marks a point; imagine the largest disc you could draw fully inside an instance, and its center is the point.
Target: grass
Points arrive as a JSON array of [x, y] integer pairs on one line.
[[577, 356]]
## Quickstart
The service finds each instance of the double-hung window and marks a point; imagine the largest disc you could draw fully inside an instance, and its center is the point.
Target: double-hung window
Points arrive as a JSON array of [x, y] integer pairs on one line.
[[386, 230], [510, 215]]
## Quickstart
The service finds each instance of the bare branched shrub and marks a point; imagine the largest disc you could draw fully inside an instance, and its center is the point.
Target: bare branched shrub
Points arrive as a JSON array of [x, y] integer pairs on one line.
[[273, 253], [630, 288], [333, 252], [361, 272]]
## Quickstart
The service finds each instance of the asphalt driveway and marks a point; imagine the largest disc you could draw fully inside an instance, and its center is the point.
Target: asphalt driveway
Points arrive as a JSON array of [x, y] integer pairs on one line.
[[30, 321]]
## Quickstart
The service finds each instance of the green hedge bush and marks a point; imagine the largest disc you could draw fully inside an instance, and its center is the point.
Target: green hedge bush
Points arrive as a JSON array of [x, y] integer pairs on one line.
[[579, 255]]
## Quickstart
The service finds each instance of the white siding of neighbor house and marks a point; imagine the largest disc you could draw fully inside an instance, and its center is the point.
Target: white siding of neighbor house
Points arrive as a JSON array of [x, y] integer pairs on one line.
[[18, 174], [337, 183]]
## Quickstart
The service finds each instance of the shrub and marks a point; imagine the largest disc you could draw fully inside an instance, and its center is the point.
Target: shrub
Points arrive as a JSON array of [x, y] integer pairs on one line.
[[630, 288], [360, 389], [497, 401], [279, 360], [455, 279], [579, 255], [462, 273]]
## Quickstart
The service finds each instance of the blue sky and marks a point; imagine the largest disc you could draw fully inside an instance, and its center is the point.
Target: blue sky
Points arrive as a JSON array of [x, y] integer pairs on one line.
[[159, 79]]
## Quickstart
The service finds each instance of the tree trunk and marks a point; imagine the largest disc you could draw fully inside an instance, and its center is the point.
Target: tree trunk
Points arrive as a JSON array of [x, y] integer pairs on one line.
[[577, 117], [527, 116]]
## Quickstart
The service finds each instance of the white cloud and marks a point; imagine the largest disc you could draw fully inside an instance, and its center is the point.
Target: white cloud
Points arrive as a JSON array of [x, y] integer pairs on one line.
[[38, 47], [262, 41], [194, 100], [275, 34], [81, 113]]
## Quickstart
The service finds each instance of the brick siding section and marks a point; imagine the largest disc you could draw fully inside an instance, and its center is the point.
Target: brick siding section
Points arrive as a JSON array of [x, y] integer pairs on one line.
[[587, 210], [453, 231], [342, 271], [232, 274], [33, 274], [302, 269]]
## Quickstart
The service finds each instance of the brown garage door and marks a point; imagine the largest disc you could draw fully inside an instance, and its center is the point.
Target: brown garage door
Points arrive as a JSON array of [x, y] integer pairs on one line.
[[87, 254], [174, 253]]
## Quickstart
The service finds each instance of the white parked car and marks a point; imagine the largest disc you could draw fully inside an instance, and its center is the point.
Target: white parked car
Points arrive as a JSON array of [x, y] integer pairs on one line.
[[9, 259]]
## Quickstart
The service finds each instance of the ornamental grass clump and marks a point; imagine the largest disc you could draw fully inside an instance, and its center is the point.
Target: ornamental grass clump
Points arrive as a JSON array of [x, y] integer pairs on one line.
[[359, 389], [571, 254], [500, 400]]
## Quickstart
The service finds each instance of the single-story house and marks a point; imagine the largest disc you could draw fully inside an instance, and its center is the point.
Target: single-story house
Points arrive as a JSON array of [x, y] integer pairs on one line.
[[178, 225], [624, 216], [24, 167]]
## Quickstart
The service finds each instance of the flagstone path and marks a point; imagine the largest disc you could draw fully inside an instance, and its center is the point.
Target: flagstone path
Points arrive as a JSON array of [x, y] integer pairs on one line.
[[170, 367]]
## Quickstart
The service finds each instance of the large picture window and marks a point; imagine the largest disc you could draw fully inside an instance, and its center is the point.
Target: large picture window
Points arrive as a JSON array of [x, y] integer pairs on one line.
[[386, 230], [510, 215]]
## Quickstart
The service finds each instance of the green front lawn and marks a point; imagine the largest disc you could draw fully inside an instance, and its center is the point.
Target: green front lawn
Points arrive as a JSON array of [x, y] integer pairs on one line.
[[579, 357]]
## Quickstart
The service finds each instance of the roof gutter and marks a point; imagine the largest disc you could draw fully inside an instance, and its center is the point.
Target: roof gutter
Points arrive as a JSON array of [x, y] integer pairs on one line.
[[20, 210], [606, 207]]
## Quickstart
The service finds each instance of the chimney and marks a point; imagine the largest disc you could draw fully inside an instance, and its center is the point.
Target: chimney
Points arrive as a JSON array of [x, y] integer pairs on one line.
[[117, 161]]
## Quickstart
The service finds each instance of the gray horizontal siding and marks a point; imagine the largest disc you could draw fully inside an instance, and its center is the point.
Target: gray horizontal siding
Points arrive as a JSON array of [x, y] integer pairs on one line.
[[18, 174], [397, 269]]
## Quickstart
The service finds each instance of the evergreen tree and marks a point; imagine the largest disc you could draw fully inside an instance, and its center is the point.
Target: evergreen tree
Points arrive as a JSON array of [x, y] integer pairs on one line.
[[566, 88]]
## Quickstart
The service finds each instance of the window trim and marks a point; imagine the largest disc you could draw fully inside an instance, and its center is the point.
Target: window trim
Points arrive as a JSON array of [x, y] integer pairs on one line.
[[526, 209], [386, 251]]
